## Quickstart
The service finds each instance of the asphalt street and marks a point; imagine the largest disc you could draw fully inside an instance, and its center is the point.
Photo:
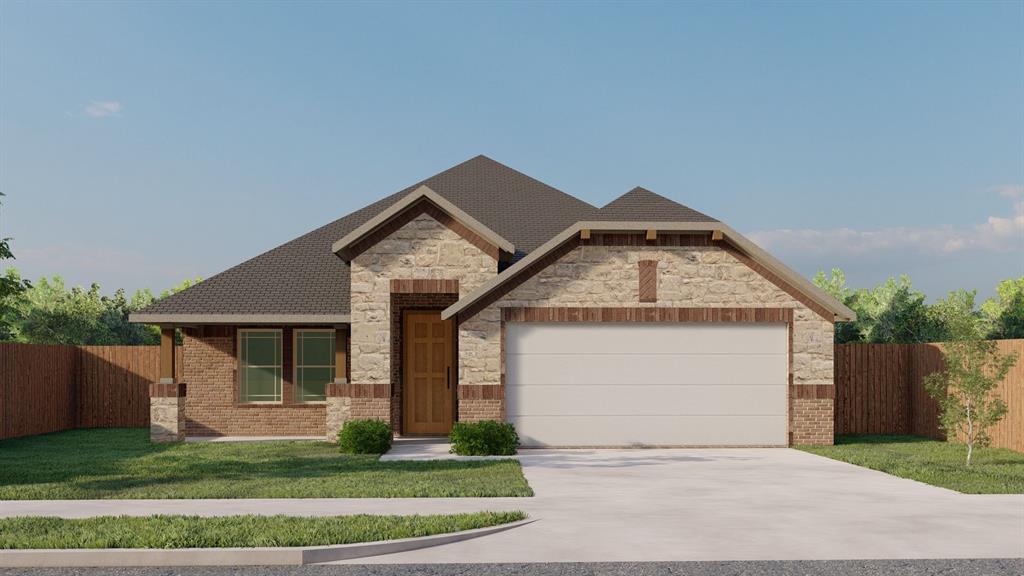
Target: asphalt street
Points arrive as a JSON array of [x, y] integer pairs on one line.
[[987, 567]]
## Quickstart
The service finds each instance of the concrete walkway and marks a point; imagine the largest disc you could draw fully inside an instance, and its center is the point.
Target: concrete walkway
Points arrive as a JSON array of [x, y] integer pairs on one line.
[[428, 449], [654, 505]]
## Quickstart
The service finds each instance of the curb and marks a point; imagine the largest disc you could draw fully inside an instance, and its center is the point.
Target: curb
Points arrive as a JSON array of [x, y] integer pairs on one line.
[[293, 556]]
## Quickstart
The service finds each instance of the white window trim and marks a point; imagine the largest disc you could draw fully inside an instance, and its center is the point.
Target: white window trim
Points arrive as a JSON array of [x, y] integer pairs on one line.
[[240, 372], [295, 362]]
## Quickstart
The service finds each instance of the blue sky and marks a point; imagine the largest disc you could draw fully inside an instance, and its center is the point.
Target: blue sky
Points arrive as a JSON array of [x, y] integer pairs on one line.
[[144, 143]]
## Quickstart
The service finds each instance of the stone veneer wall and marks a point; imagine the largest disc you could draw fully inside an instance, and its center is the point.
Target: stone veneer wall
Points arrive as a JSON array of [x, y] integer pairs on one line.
[[597, 275], [166, 419], [211, 402], [421, 249]]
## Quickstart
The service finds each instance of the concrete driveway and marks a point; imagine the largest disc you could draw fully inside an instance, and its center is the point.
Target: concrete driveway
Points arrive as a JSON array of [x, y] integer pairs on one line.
[[733, 504]]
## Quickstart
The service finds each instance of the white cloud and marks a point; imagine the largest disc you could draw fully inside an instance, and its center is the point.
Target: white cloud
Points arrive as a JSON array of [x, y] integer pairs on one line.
[[1010, 190], [103, 108], [996, 234]]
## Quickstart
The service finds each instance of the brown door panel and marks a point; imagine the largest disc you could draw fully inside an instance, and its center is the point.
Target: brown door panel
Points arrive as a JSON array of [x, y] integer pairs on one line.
[[427, 357]]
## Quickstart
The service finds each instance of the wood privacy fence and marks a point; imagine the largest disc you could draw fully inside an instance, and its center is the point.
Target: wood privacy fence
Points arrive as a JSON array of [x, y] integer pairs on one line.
[[880, 390], [48, 388]]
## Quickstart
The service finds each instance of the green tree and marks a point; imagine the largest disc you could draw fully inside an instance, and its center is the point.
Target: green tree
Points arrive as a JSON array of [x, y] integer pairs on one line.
[[50, 313], [1005, 312], [835, 285], [955, 317], [895, 312], [178, 288], [890, 312], [11, 289], [115, 319], [974, 367]]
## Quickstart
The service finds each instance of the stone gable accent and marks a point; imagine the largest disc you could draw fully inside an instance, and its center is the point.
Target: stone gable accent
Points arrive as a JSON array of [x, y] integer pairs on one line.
[[420, 250]]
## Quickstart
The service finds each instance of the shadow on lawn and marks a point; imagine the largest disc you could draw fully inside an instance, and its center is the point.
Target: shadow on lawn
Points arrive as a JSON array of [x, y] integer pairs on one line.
[[63, 456]]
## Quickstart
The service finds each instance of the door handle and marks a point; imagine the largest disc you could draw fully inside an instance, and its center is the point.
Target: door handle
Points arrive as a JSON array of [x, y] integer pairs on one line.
[[448, 377]]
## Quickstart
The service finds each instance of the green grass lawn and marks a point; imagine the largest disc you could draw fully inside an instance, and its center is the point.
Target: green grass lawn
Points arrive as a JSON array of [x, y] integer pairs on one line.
[[231, 531], [993, 470], [122, 463]]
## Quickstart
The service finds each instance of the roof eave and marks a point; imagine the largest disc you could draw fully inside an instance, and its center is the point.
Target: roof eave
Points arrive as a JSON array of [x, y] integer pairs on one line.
[[342, 246], [819, 296], [196, 319]]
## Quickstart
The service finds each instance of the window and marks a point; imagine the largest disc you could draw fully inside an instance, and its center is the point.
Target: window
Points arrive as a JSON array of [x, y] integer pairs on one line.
[[314, 364], [259, 365]]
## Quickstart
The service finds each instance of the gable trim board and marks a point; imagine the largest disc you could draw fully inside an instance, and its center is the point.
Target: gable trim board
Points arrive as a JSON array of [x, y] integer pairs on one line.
[[785, 277], [408, 208]]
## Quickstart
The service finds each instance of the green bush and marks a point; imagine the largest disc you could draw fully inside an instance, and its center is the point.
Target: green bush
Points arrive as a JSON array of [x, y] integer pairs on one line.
[[364, 437], [484, 438]]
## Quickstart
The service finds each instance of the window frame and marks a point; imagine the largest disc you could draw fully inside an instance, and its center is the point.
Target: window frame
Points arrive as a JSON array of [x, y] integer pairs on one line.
[[296, 365], [242, 398]]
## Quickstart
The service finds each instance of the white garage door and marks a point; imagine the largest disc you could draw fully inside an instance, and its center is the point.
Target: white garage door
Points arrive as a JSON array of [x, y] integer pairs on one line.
[[647, 384]]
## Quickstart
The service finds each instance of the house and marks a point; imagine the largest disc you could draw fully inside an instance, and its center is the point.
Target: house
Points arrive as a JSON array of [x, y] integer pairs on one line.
[[481, 293]]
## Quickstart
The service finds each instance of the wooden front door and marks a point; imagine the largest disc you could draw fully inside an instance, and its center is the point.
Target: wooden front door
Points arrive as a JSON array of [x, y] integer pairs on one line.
[[429, 381]]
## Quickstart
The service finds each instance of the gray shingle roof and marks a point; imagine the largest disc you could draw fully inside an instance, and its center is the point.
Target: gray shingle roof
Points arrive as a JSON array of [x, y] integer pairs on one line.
[[642, 205], [304, 276]]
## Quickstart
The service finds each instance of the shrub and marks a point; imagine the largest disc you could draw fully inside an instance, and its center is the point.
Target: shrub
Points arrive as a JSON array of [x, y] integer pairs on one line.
[[364, 437], [484, 438]]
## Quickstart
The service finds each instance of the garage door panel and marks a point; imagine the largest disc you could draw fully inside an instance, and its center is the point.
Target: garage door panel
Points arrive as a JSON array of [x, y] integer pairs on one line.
[[644, 400], [653, 431], [643, 368], [622, 384], [668, 338]]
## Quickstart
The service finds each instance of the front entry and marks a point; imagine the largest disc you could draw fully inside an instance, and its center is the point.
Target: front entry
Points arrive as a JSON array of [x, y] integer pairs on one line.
[[429, 382]]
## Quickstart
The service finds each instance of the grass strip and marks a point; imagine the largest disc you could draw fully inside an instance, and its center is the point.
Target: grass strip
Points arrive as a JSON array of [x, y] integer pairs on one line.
[[231, 531], [993, 471]]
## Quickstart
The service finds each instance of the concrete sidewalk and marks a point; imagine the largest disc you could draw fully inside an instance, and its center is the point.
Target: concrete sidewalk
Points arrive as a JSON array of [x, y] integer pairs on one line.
[[664, 505]]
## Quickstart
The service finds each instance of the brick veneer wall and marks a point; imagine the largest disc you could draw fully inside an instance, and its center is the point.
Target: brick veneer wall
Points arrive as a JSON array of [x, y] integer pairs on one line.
[[421, 249], [477, 402], [212, 406], [811, 414], [692, 272]]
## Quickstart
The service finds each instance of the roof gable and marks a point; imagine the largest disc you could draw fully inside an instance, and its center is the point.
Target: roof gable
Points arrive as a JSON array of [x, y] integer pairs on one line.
[[356, 241], [640, 204]]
